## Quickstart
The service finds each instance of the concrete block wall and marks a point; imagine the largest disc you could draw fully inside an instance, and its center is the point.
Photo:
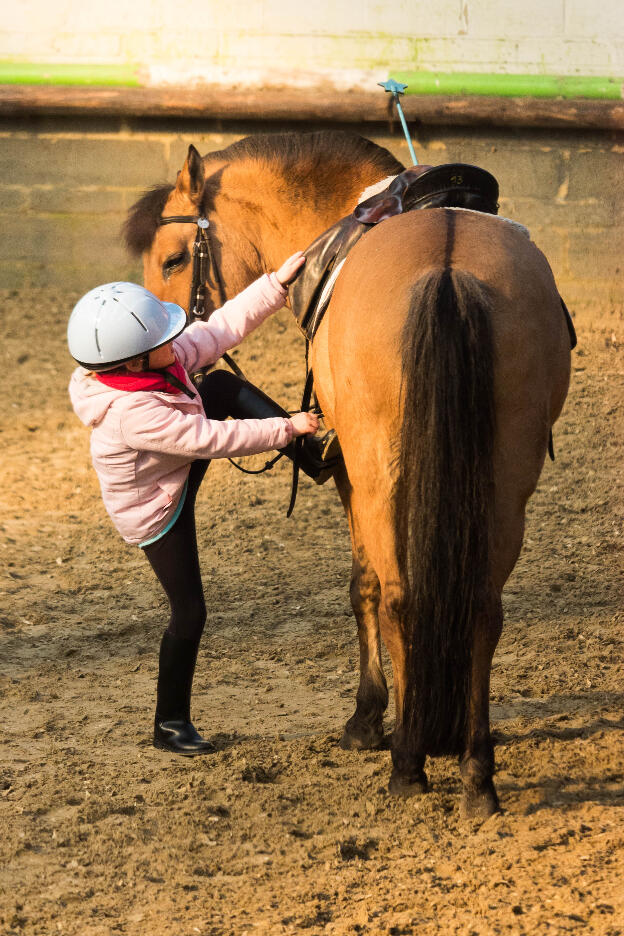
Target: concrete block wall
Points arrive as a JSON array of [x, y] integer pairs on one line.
[[264, 41], [65, 187]]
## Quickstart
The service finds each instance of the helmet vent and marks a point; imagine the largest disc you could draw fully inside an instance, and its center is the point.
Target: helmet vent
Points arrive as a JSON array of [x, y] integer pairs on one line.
[[139, 321], [97, 341]]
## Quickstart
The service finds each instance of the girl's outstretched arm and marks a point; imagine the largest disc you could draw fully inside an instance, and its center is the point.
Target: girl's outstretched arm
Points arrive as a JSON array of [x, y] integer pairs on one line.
[[204, 342]]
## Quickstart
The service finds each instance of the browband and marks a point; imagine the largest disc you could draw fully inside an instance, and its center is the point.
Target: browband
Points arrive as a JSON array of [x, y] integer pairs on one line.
[[180, 219]]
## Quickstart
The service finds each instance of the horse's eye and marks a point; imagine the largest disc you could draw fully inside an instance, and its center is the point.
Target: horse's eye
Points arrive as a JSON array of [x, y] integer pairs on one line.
[[175, 261]]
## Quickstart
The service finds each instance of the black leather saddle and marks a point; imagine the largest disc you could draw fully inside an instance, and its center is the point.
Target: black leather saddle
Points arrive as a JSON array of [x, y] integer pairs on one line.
[[454, 185]]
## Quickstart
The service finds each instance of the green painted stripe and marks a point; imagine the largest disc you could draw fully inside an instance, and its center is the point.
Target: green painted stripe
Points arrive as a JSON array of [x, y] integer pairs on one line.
[[540, 86], [464, 83], [33, 73]]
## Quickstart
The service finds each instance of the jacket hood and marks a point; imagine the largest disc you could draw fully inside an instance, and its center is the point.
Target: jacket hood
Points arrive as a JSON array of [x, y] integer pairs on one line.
[[90, 398]]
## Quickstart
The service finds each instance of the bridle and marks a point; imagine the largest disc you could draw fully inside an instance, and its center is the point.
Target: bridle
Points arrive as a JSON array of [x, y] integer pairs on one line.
[[203, 263]]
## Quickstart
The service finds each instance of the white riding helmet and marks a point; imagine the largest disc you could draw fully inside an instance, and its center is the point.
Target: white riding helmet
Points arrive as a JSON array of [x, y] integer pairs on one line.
[[116, 322]]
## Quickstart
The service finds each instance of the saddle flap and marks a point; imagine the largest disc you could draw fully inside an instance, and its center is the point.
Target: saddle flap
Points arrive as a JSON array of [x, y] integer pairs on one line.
[[321, 257]]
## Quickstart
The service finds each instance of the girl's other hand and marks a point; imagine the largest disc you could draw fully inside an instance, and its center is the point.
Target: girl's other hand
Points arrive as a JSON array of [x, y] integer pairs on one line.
[[304, 424], [291, 268]]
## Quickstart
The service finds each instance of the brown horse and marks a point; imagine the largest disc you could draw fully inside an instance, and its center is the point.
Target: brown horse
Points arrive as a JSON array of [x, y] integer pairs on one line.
[[443, 361]]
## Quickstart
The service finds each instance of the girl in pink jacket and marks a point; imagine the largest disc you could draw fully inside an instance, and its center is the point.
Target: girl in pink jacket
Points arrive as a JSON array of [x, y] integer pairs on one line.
[[154, 433]]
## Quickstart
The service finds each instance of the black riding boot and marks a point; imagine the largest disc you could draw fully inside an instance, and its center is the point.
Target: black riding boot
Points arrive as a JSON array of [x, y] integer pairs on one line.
[[173, 730], [318, 456]]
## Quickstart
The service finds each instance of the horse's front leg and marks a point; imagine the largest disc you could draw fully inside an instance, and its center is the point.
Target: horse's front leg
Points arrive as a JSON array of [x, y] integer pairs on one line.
[[364, 730], [479, 799]]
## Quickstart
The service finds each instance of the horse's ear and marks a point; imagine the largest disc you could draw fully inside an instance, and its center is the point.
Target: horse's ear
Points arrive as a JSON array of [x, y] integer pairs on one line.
[[191, 178]]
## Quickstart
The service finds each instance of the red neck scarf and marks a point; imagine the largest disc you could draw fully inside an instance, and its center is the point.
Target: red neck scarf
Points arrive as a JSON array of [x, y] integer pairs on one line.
[[145, 380]]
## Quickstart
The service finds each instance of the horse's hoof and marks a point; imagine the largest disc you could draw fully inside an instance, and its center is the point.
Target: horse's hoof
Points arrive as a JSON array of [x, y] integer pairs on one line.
[[400, 785], [361, 738], [479, 804]]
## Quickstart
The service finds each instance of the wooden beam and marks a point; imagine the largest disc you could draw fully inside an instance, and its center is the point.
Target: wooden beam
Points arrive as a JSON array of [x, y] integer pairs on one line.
[[310, 104]]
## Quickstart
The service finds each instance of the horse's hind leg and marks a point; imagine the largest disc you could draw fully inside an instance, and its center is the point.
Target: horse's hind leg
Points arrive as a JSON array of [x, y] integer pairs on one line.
[[364, 730], [479, 798], [408, 777]]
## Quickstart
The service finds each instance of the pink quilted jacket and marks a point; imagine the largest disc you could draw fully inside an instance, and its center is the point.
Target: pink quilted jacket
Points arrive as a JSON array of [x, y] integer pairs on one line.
[[143, 443]]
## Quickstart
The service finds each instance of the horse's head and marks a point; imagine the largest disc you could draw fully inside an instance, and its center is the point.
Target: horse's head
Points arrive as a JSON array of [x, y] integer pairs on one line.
[[167, 248], [264, 196]]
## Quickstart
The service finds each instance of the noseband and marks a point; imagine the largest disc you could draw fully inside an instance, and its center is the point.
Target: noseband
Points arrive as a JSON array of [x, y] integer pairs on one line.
[[203, 263]]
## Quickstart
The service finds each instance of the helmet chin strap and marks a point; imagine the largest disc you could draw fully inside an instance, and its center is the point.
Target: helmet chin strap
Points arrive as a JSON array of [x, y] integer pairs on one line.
[[170, 378], [166, 375]]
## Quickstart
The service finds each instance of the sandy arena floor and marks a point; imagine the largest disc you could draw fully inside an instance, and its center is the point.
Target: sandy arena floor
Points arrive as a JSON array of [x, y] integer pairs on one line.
[[281, 831]]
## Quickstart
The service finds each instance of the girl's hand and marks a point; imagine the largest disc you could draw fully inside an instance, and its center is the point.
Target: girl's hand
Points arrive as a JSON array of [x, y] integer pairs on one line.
[[304, 424], [291, 268]]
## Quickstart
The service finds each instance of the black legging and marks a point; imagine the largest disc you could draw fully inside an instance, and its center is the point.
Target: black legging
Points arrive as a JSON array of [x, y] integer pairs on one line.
[[174, 556]]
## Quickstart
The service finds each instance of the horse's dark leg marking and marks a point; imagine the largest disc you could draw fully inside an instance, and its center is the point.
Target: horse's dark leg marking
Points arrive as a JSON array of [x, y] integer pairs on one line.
[[364, 730], [479, 799], [408, 777]]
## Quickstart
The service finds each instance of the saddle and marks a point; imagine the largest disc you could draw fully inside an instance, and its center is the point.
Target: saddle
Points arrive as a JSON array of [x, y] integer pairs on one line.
[[454, 185]]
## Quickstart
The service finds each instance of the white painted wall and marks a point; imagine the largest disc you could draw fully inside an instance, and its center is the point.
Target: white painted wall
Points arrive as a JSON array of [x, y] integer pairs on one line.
[[347, 42]]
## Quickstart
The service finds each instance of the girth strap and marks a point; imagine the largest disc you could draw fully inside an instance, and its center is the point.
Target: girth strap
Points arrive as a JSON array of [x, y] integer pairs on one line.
[[306, 399]]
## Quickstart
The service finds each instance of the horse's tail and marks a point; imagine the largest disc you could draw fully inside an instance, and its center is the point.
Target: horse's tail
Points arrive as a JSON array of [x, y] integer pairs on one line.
[[443, 501]]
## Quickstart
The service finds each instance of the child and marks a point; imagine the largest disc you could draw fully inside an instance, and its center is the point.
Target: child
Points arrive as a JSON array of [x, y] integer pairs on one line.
[[153, 437]]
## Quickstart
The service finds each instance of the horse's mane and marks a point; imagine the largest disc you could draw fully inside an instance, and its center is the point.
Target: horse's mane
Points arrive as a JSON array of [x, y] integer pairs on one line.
[[141, 224], [296, 155]]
